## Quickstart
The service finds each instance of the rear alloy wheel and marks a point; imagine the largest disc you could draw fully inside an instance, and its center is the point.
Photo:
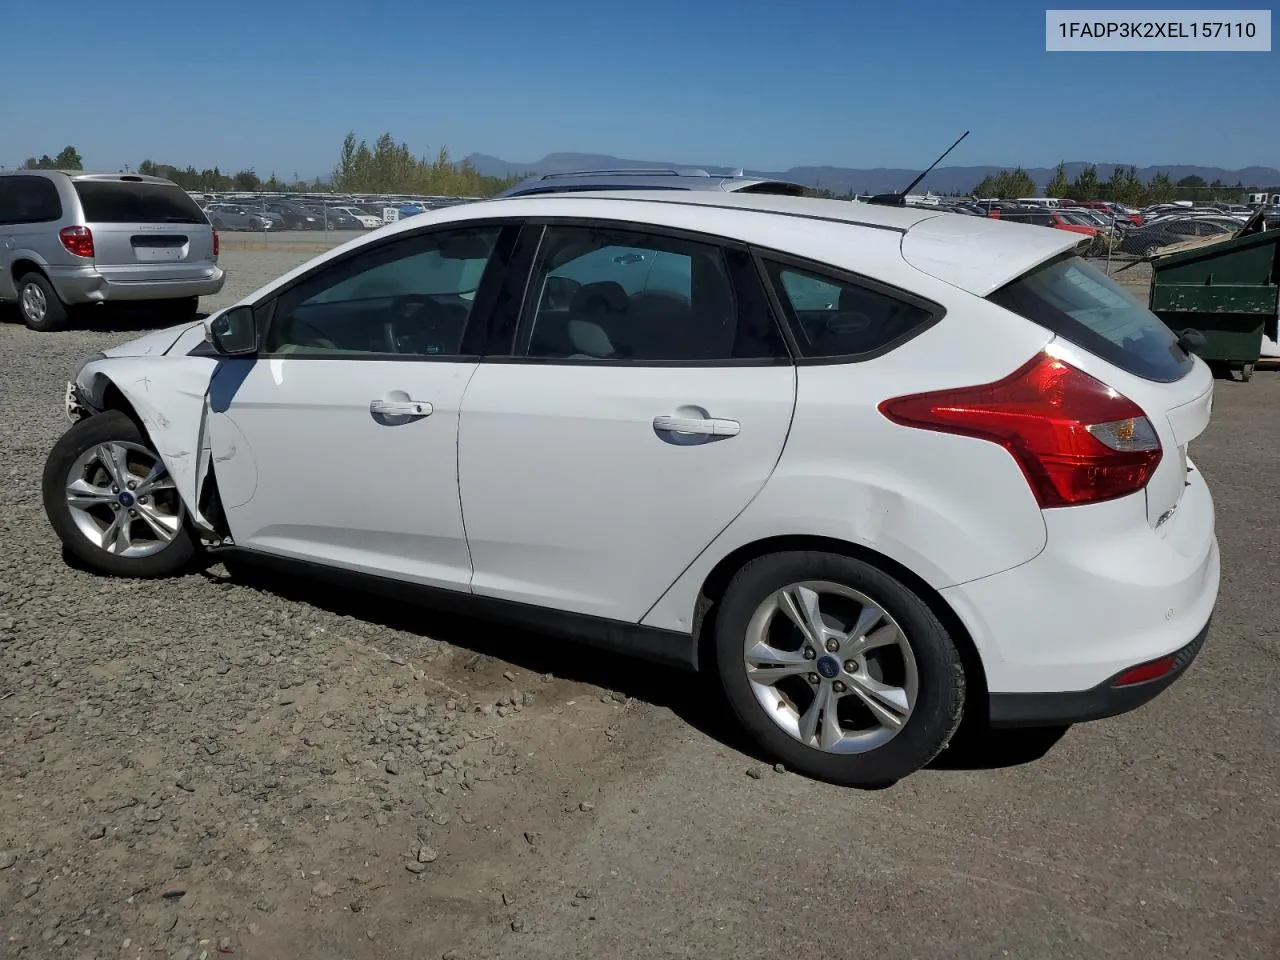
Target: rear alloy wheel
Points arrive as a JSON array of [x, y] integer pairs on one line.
[[38, 304], [112, 502], [837, 669]]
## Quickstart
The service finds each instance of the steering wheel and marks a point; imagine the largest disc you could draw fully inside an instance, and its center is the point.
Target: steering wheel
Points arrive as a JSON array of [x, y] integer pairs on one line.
[[414, 310]]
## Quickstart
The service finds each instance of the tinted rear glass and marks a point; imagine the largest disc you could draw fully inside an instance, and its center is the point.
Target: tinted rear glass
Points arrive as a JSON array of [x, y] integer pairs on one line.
[[122, 201], [1082, 304]]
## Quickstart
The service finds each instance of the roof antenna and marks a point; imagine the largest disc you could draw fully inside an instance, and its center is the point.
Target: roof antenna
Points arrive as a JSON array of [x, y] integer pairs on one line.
[[900, 199]]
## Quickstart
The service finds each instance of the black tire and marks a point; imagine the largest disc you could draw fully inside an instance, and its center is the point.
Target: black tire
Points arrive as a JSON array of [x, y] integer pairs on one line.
[[1246, 372], [111, 426], [55, 311], [940, 695]]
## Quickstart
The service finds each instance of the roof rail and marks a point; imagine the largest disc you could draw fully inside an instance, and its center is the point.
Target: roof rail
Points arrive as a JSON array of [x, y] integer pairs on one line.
[[621, 171]]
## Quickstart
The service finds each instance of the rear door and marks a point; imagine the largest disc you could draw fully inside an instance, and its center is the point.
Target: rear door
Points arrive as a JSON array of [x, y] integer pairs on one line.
[[145, 230], [645, 398], [1129, 348]]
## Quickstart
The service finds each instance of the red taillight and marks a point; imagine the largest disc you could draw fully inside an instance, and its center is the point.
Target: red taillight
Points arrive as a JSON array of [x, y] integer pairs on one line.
[[1143, 672], [215, 245], [77, 240], [1076, 440]]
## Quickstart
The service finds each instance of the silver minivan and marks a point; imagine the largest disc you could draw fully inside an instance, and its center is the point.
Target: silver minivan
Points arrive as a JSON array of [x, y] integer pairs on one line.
[[69, 240]]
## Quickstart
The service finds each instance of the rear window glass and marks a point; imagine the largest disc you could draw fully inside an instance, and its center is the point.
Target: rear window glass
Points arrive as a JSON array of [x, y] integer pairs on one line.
[[122, 201], [1082, 304]]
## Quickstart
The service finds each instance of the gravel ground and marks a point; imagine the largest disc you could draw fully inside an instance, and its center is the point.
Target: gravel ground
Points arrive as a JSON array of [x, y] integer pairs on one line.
[[198, 768]]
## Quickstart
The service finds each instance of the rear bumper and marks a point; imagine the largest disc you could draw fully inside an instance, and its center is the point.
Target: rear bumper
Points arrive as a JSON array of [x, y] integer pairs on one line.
[[80, 285], [1080, 706], [1108, 593]]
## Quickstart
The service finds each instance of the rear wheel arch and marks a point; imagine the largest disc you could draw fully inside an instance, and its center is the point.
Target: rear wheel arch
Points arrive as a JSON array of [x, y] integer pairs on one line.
[[23, 265], [717, 581]]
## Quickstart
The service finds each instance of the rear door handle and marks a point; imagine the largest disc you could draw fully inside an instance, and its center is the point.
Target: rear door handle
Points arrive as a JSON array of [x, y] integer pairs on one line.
[[400, 408], [703, 427]]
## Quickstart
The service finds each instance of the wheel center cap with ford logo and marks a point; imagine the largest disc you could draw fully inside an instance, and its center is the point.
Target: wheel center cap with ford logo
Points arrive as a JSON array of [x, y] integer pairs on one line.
[[829, 667], [125, 498]]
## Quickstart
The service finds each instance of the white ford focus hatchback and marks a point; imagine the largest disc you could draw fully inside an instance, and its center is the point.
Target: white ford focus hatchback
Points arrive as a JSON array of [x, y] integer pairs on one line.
[[873, 467]]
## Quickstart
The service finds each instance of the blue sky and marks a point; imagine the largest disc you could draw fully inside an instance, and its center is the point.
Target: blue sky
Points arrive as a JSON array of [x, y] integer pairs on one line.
[[764, 85]]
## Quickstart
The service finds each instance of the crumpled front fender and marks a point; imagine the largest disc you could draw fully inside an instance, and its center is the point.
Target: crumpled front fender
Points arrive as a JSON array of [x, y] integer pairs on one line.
[[170, 396]]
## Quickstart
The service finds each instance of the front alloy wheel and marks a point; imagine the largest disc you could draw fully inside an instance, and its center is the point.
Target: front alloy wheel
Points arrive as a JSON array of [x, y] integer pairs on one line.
[[112, 502], [123, 500]]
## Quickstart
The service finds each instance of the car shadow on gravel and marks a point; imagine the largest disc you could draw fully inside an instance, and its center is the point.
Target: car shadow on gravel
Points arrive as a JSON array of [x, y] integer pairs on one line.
[[694, 697], [124, 318]]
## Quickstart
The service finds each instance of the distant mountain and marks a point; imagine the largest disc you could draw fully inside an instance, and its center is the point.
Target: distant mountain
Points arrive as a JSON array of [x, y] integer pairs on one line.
[[873, 180]]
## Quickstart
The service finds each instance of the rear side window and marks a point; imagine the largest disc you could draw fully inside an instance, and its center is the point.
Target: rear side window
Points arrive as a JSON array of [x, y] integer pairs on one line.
[[832, 317], [29, 200], [124, 201], [1082, 304]]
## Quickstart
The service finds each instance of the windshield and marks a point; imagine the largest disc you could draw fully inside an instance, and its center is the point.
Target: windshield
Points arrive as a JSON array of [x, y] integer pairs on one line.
[[1082, 304]]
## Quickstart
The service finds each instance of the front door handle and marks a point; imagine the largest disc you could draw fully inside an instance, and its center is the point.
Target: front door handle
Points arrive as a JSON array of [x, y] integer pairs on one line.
[[707, 427], [400, 408]]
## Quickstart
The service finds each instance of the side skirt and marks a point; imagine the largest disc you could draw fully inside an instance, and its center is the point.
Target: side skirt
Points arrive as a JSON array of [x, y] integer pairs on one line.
[[667, 647]]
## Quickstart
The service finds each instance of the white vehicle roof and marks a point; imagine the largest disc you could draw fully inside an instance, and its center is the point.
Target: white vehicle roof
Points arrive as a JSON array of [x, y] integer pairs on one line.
[[976, 254]]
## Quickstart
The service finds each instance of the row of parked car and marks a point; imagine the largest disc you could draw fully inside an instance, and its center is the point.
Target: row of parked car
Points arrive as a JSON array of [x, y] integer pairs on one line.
[[1113, 227], [276, 213]]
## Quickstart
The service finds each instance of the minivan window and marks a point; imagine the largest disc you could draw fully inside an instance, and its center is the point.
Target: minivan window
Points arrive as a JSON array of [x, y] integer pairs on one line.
[[1082, 304], [126, 201], [25, 199]]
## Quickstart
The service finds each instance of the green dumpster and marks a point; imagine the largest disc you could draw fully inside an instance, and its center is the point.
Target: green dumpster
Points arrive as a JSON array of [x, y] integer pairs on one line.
[[1227, 291]]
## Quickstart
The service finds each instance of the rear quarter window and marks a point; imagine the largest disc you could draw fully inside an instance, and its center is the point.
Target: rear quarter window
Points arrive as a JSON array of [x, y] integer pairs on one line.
[[1081, 304], [839, 318], [124, 201], [29, 200]]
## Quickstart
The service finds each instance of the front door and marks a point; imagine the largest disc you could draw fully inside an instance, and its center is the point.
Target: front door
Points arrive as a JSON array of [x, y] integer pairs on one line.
[[338, 442], [647, 398]]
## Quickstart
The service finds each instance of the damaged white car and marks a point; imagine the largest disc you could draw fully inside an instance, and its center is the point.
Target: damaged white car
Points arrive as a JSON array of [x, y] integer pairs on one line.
[[873, 467]]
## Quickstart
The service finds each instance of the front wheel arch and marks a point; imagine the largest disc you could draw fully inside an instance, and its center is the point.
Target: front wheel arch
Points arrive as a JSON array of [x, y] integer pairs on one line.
[[106, 396], [718, 580]]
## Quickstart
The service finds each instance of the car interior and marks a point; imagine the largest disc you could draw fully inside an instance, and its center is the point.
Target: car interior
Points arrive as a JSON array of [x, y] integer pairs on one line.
[[622, 302], [416, 304]]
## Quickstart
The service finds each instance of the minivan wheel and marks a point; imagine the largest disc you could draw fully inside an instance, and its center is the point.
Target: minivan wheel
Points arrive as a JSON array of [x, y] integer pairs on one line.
[[837, 669], [112, 502], [38, 304]]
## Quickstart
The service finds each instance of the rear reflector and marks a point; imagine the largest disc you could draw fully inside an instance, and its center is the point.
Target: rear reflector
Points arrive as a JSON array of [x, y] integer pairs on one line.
[[1076, 439], [1146, 671], [77, 240]]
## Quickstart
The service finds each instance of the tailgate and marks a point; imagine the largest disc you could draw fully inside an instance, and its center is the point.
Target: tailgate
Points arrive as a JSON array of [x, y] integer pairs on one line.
[[168, 244], [1186, 421]]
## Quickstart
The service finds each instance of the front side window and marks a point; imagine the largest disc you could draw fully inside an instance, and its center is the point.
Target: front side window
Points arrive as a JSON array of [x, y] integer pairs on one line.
[[598, 293], [1082, 304], [412, 297], [29, 200], [832, 317]]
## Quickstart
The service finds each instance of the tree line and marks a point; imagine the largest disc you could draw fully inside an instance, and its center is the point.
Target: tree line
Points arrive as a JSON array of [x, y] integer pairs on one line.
[[384, 167], [1123, 186], [390, 167]]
